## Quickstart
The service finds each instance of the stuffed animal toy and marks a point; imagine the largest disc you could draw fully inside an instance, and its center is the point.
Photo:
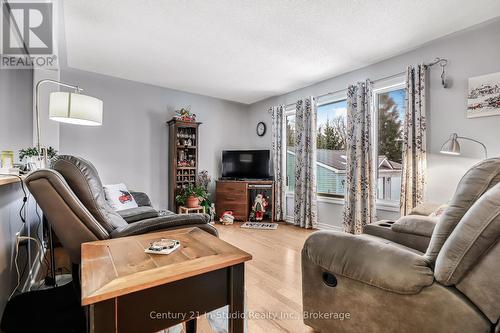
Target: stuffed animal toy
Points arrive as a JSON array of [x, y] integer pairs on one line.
[[227, 217]]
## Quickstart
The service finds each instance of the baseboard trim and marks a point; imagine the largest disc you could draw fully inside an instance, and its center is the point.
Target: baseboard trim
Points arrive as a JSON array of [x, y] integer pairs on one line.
[[324, 226]]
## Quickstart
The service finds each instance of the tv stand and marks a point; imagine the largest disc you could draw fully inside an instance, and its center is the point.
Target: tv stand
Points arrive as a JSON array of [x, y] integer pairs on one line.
[[235, 195]]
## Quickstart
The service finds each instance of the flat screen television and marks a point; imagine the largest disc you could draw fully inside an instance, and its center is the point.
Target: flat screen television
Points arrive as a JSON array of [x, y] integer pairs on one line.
[[246, 164]]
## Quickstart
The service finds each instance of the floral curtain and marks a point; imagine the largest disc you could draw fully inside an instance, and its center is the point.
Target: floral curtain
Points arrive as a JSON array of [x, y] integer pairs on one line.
[[414, 141], [279, 161], [305, 207], [359, 208]]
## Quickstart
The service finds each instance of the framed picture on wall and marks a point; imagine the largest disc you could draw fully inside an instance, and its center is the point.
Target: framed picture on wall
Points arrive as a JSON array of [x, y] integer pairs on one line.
[[484, 96]]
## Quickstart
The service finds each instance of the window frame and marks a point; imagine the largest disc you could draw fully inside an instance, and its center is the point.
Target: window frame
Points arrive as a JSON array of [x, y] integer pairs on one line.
[[381, 87]]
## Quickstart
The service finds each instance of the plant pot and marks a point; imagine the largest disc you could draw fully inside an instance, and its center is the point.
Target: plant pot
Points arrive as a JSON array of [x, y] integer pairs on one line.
[[192, 202]]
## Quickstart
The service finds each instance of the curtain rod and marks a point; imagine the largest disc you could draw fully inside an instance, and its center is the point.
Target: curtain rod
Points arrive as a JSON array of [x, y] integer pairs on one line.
[[441, 61], [345, 89]]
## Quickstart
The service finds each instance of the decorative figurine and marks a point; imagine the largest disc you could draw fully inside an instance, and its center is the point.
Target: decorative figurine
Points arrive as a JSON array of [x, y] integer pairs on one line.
[[259, 207], [185, 114]]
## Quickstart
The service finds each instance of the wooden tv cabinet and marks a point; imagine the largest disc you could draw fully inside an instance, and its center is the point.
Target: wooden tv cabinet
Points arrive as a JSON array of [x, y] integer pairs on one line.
[[234, 195]]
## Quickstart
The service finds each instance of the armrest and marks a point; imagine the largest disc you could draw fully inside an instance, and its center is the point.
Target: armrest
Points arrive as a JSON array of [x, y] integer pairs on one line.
[[141, 198], [160, 223], [369, 261], [415, 225]]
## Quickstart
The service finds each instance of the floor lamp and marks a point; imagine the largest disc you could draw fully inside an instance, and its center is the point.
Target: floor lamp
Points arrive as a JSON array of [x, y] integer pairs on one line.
[[65, 107]]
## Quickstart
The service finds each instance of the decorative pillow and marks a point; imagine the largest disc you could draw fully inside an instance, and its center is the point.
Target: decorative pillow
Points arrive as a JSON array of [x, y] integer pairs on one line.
[[119, 197]]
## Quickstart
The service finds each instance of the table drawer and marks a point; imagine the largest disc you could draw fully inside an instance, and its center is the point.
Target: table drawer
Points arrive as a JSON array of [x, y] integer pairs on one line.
[[236, 187], [231, 197]]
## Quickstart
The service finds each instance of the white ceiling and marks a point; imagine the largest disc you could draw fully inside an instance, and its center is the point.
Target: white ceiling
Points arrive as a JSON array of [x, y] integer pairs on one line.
[[248, 50]]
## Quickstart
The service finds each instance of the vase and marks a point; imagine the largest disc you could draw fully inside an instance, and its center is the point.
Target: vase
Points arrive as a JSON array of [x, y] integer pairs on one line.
[[192, 202]]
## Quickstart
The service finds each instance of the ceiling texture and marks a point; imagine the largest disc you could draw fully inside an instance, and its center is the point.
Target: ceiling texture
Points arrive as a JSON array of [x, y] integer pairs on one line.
[[248, 50]]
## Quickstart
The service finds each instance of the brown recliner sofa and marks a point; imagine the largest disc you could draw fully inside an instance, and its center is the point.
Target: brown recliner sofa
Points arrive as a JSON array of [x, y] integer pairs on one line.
[[366, 283], [72, 199]]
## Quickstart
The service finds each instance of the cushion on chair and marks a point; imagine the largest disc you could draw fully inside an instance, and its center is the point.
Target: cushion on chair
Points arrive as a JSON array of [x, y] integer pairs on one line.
[[119, 197], [476, 181], [476, 233], [415, 225], [383, 229], [141, 198], [83, 179], [139, 213]]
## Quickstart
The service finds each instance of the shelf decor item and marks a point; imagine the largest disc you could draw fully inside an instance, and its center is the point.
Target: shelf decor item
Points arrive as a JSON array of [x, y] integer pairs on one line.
[[185, 114], [7, 159], [183, 158]]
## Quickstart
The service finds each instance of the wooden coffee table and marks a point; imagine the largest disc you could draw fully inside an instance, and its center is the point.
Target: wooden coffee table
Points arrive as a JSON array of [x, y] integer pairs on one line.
[[127, 290]]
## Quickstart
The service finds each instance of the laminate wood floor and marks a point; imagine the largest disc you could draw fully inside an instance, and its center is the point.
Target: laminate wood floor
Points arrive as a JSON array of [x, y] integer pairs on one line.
[[273, 278]]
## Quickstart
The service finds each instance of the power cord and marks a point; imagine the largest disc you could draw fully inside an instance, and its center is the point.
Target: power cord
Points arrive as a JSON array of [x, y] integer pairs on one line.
[[38, 256], [22, 211]]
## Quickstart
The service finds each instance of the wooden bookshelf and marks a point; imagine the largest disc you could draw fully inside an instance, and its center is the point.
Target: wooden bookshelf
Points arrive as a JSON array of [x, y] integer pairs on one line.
[[183, 157]]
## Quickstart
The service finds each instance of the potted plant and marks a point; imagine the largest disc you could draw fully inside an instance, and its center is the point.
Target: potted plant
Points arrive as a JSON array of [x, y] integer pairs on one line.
[[31, 152], [192, 196], [31, 157]]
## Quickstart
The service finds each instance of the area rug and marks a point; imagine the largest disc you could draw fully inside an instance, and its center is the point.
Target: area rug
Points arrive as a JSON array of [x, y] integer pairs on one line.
[[260, 225]]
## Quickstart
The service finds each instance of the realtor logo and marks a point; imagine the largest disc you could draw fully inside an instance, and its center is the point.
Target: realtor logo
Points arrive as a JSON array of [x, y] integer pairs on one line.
[[27, 28], [27, 35]]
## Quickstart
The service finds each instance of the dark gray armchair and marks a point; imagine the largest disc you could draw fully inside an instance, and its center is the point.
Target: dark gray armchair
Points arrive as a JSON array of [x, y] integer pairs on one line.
[[71, 196]]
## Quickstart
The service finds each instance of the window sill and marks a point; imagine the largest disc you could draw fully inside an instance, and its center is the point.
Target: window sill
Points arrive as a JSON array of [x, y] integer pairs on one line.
[[388, 206]]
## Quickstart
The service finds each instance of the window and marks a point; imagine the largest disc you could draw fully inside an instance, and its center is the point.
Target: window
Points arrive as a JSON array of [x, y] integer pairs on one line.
[[331, 144], [388, 114], [331, 141], [390, 110]]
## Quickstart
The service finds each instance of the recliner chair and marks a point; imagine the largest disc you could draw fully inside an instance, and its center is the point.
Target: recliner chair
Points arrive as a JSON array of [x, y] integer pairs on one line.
[[71, 196], [388, 287]]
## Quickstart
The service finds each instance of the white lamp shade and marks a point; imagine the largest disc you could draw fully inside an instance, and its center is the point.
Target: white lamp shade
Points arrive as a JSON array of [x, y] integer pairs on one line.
[[74, 108]]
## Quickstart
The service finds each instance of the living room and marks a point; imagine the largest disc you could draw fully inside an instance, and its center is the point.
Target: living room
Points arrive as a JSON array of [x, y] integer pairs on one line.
[[317, 166]]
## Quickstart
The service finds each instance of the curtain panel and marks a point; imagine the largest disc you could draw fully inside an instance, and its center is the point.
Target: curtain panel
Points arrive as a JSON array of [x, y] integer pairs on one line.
[[279, 160], [359, 208], [305, 204], [414, 140]]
